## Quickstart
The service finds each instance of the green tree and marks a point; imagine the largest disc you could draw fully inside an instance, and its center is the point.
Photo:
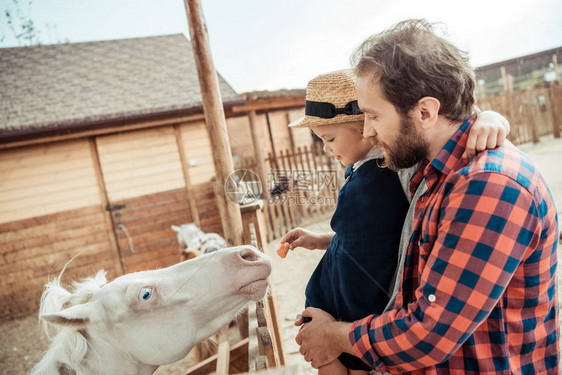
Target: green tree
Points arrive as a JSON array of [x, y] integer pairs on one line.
[[21, 25]]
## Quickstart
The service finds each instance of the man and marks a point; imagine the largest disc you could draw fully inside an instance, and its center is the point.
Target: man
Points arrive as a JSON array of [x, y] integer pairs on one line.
[[478, 291]]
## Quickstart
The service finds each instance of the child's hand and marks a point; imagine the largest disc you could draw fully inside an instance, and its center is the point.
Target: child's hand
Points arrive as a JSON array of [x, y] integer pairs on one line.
[[307, 239], [488, 132]]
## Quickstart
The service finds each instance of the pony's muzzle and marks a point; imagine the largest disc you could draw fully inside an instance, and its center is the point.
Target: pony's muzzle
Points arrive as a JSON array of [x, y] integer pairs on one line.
[[249, 256]]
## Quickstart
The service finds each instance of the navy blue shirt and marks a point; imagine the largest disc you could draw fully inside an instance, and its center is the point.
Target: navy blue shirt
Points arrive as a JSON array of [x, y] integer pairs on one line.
[[353, 277]]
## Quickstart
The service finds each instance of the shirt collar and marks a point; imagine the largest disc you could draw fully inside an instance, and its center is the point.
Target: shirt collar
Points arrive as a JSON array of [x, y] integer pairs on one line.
[[374, 153], [451, 153], [449, 156]]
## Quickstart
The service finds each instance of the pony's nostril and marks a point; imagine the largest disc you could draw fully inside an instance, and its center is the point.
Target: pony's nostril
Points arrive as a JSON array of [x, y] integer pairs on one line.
[[249, 255]]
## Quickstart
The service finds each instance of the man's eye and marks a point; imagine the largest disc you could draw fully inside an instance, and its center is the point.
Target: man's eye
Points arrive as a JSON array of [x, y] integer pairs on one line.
[[372, 117], [330, 140]]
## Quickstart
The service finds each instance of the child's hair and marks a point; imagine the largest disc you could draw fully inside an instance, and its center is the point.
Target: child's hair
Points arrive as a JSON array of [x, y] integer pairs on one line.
[[355, 125], [358, 125]]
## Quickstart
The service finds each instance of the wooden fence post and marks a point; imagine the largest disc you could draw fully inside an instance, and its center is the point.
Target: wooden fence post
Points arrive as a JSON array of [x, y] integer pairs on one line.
[[187, 178], [214, 120], [555, 109], [259, 155]]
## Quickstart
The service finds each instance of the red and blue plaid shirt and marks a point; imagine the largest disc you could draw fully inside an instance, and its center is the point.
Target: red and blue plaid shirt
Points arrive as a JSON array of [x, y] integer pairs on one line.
[[478, 293]]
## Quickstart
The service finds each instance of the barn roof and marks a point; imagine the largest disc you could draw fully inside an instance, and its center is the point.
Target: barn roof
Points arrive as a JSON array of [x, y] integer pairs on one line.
[[519, 65], [83, 85], [276, 94]]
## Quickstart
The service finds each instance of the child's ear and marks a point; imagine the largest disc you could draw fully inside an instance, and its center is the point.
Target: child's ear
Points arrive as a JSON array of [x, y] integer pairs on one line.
[[427, 111]]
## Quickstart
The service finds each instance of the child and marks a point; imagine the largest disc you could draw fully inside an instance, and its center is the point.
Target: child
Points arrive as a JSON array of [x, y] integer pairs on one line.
[[354, 276]]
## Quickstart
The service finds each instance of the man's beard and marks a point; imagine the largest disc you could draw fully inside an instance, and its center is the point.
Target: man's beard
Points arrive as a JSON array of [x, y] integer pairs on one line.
[[408, 148]]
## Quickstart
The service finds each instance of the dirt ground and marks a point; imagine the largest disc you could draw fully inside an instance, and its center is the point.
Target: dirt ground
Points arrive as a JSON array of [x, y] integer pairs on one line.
[[22, 343]]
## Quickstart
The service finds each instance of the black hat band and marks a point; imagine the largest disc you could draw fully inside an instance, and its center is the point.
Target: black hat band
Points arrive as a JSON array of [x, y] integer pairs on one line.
[[328, 110]]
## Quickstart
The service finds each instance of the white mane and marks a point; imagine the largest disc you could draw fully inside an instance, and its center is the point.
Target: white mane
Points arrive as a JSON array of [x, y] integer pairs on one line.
[[69, 346]]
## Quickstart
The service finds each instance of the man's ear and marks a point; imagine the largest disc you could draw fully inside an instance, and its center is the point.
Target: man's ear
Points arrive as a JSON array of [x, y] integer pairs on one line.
[[427, 111]]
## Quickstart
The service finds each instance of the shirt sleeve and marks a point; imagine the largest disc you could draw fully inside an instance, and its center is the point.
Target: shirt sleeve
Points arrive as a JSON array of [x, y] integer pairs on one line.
[[488, 225]]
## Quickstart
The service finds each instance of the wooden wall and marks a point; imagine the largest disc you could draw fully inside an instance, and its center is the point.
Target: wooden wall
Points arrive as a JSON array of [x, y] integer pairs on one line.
[[112, 199], [143, 228], [198, 151], [140, 163], [41, 180], [50, 210], [35, 249], [241, 140]]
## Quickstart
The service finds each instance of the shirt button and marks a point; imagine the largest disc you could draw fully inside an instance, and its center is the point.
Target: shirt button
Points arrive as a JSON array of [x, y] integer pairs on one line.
[[431, 298]]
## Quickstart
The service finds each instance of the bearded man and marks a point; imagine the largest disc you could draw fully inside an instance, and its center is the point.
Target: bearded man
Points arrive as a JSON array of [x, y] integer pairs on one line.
[[477, 293]]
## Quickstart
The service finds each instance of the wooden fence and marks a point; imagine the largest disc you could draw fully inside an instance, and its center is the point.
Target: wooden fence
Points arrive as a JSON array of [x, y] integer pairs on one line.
[[532, 113], [303, 183], [302, 186]]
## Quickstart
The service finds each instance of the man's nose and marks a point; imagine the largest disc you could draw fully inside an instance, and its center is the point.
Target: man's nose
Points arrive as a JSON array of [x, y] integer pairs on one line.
[[368, 131], [325, 147]]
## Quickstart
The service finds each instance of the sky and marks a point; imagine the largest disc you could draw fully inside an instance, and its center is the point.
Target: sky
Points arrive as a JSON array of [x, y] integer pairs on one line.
[[275, 44]]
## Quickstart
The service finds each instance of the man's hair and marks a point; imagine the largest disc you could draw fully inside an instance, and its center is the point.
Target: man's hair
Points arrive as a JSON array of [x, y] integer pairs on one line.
[[410, 62]]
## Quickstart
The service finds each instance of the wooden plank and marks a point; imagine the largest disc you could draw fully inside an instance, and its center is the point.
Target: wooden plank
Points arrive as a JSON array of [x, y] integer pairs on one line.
[[269, 104], [121, 191], [121, 161], [187, 179], [129, 174], [29, 180], [41, 204], [253, 346], [238, 351], [134, 139], [30, 228], [27, 191], [141, 170], [259, 154], [261, 362], [102, 131], [43, 238], [275, 326], [214, 119], [43, 155], [555, 111], [286, 370], [265, 344], [223, 353], [52, 248]]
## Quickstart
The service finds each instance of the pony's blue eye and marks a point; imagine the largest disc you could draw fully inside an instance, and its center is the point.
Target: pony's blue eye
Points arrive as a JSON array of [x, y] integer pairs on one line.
[[145, 294]]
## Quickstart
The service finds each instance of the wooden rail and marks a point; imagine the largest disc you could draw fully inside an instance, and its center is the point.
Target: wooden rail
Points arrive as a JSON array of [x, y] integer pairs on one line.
[[261, 347], [305, 186]]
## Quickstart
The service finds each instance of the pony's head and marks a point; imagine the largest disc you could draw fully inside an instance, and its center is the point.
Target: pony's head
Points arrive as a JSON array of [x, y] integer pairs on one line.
[[155, 317]]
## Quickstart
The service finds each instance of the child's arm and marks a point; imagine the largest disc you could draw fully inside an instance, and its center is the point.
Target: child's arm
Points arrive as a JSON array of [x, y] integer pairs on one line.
[[307, 239], [488, 132]]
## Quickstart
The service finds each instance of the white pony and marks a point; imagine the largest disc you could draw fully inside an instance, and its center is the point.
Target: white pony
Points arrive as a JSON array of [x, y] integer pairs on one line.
[[145, 319], [194, 242]]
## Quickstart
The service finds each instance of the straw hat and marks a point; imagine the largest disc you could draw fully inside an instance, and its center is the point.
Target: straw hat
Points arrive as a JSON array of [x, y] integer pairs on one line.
[[331, 98]]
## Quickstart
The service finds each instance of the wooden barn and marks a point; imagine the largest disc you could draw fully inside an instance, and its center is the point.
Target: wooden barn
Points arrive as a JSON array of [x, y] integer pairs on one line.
[[103, 147]]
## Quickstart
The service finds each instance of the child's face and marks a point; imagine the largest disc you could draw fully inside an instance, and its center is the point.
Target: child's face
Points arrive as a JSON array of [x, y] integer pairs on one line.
[[345, 143]]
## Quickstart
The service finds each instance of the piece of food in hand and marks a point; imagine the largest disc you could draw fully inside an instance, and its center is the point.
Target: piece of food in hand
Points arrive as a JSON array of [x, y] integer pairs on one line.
[[283, 249]]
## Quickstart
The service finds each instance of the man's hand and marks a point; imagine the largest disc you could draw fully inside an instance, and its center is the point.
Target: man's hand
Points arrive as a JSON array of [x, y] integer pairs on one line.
[[322, 339]]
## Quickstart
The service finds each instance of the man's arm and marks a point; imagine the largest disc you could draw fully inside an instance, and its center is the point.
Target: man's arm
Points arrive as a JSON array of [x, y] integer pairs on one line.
[[478, 248], [322, 339]]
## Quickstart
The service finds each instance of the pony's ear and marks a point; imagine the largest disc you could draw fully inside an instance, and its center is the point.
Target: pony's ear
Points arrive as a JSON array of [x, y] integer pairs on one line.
[[76, 316], [176, 228]]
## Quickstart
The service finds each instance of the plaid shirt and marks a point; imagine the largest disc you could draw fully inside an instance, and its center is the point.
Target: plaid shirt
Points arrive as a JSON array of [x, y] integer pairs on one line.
[[478, 293]]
